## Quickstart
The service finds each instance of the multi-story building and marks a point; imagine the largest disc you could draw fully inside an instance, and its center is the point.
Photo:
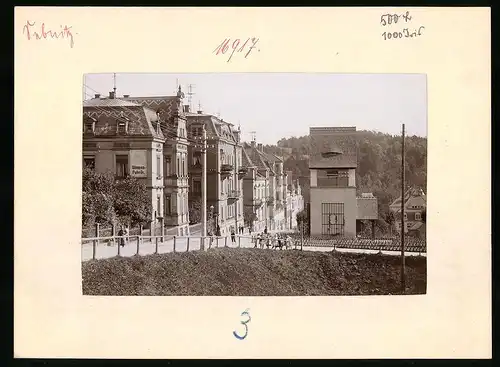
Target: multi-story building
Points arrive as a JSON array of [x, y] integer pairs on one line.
[[255, 193], [294, 201], [172, 122], [334, 206], [126, 138], [414, 206], [225, 170], [270, 166]]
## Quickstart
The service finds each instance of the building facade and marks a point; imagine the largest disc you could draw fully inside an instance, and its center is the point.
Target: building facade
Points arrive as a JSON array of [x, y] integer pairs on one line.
[[332, 169], [125, 138], [255, 193], [225, 170], [414, 207], [294, 201], [173, 124]]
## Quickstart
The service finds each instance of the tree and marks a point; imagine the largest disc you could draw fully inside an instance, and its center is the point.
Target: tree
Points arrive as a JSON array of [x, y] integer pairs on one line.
[[249, 216], [132, 201], [195, 210], [97, 197]]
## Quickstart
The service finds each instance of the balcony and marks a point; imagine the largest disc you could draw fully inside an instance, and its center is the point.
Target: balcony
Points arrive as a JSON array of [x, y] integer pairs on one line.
[[257, 202], [233, 195], [226, 169], [242, 171]]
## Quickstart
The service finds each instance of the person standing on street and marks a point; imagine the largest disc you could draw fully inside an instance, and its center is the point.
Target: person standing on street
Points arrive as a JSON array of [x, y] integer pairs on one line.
[[121, 234], [233, 236]]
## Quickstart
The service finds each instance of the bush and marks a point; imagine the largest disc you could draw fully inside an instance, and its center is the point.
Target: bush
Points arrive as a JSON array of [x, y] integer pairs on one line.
[[105, 200]]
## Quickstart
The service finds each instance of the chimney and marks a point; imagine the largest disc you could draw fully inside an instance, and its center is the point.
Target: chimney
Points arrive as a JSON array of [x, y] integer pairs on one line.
[[186, 108], [259, 147], [200, 112], [111, 95], [253, 143], [97, 95], [126, 95]]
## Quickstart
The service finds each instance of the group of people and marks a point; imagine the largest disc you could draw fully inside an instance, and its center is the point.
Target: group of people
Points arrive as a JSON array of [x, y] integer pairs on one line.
[[278, 240]]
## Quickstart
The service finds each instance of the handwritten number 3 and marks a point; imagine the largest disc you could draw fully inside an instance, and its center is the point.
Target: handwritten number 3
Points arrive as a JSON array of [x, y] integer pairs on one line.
[[244, 323]]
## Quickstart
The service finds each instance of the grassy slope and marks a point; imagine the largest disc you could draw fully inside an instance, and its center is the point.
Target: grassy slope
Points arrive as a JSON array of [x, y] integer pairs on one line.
[[252, 272]]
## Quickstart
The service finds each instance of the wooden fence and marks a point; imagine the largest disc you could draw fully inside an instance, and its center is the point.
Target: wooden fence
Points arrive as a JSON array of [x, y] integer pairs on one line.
[[380, 244]]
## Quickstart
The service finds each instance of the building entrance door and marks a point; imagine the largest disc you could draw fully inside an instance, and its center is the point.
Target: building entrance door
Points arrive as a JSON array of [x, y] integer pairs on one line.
[[332, 219]]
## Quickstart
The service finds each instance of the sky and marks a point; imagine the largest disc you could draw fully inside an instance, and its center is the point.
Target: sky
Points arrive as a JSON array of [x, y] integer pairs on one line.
[[278, 105]]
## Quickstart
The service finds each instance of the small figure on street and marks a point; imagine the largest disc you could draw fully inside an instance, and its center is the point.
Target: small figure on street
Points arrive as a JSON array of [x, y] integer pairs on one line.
[[265, 230], [121, 234], [233, 236], [217, 233]]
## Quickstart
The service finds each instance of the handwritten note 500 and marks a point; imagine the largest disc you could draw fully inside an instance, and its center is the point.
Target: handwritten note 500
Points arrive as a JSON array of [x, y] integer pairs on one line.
[[236, 46]]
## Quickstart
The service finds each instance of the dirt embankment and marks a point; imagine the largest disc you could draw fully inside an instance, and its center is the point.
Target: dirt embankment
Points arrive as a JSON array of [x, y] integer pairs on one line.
[[253, 272]]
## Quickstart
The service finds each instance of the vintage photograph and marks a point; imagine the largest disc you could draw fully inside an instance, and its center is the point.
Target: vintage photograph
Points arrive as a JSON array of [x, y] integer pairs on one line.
[[254, 184]]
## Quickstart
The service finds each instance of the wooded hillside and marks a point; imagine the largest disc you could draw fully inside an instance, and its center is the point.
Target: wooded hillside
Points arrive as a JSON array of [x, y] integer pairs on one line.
[[379, 164]]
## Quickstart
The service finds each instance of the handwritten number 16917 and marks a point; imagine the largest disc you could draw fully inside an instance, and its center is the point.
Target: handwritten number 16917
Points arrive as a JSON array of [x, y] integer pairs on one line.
[[236, 45]]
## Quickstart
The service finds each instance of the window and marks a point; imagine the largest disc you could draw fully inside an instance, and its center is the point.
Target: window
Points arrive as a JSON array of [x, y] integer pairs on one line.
[[418, 216], [121, 166], [122, 127], [168, 168], [178, 168], [168, 205], [405, 216], [197, 186], [332, 219], [158, 204], [89, 162], [158, 166]]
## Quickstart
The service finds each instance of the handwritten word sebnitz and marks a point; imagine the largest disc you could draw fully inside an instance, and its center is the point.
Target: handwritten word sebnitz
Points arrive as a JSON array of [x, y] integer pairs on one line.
[[394, 18], [244, 323], [236, 45], [405, 33], [32, 31]]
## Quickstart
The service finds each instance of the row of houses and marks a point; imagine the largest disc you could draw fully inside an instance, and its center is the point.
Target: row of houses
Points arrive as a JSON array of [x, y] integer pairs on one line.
[[158, 141]]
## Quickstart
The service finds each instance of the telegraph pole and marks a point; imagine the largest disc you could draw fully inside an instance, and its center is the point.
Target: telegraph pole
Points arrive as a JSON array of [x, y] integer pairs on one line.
[[204, 185], [403, 286]]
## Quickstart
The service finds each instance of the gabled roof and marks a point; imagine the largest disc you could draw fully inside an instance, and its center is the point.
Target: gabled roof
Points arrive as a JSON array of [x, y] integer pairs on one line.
[[215, 127], [413, 196], [108, 102], [141, 120], [168, 106], [247, 162], [333, 147]]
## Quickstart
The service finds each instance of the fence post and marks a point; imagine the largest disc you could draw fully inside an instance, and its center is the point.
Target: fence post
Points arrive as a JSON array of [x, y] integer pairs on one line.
[[239, 241], [162, 223], [202, 243], [187, 248], [119, 251], [225, 241], [174, 242], [156, 245], [113, 233], [138, 243], [95, 242]]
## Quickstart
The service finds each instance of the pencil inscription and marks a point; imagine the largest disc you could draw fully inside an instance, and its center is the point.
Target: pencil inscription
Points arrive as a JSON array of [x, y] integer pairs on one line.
[[32, 31]]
